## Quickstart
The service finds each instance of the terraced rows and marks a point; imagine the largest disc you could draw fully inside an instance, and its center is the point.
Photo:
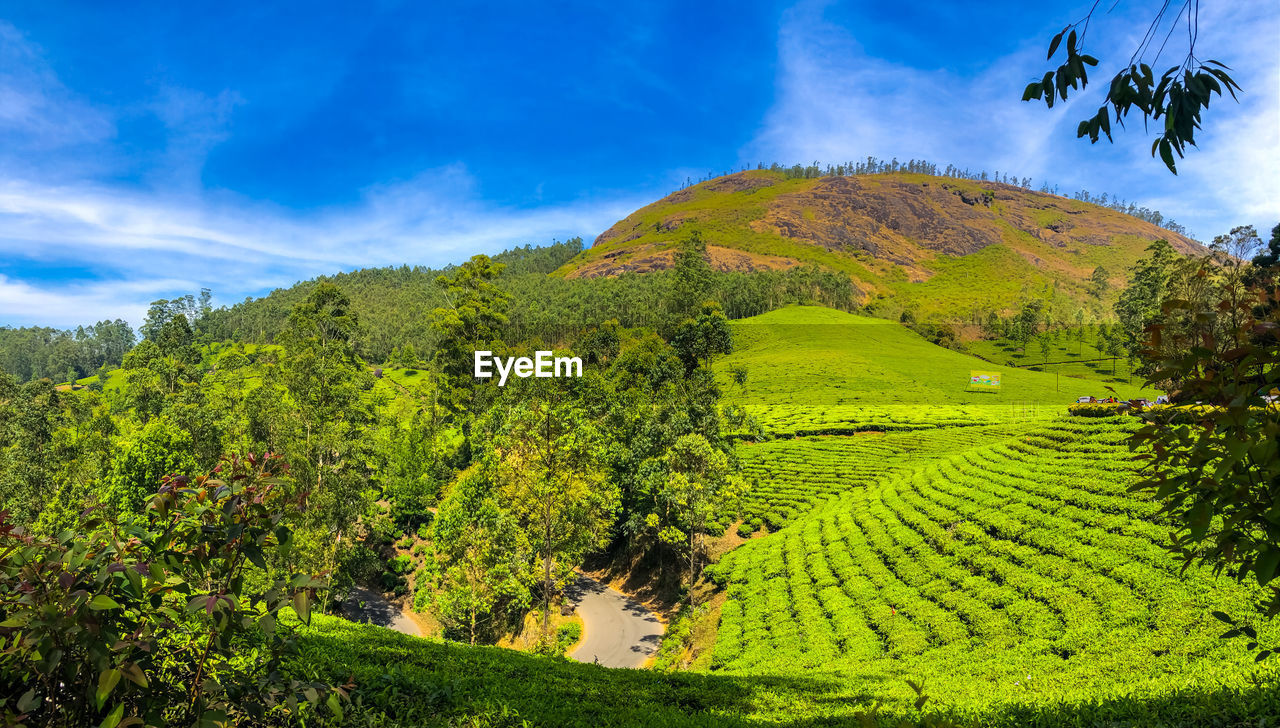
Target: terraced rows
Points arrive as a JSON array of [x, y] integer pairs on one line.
[[1026, 555], [799, 420], [789, 477]]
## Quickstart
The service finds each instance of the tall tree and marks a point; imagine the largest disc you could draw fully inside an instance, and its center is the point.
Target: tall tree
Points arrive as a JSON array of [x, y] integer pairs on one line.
[[700, 485], [550, 474], [1098, 282], [483, 561], [325, 380], [699, 340], [691, 279], [1139, 303], [471, 320]]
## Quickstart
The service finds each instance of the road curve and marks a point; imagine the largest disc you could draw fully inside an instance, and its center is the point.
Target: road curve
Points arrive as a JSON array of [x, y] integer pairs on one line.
[[364, 605], [618, 631]]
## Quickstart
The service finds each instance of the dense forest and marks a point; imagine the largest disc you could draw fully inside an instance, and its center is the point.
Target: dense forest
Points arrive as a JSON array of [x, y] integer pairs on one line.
[[506, 488]]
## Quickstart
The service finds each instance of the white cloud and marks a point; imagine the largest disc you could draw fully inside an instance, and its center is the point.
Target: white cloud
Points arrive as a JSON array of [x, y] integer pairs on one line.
[[836, 103], [72, 305], [37, 112], [238, 247], [170, 237]]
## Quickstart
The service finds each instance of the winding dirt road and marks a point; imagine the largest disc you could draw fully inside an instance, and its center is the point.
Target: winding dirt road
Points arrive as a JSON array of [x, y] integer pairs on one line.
[[618, 630]]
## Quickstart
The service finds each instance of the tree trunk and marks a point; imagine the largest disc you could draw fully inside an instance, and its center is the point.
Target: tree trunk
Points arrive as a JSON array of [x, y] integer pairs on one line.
[[546, 592], [693, 555]]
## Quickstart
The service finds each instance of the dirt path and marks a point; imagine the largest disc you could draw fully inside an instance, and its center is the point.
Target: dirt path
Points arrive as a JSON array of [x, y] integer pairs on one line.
[[618, 631], [377, 610]]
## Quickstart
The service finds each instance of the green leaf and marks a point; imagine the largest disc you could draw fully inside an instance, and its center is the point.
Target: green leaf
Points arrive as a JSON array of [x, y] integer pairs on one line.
[[1262, 656], [214, 719], [302, 606], [1053, 44], [1166, 154], [134, 673], [113, 718], [254, 554], [106, 683], [1265, 568], [334, 705], [102, 601], [29, 701]]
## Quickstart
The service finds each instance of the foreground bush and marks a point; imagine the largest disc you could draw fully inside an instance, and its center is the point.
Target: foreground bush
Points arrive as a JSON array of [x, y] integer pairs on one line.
[[151, 620]]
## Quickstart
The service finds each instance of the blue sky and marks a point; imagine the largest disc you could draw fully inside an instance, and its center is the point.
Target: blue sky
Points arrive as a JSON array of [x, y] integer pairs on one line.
[[150, 149]]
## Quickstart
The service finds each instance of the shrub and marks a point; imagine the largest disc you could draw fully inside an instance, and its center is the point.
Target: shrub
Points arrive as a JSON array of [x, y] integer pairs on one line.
[[146, 620], [567, 636], [1096, 410], [746, 529], [400, 564], [359, 564], [380, 529]]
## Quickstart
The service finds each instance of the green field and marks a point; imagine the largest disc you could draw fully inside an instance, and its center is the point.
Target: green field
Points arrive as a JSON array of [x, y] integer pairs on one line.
[[1019, 577], [991, 550], [789, 476], [812, 370]]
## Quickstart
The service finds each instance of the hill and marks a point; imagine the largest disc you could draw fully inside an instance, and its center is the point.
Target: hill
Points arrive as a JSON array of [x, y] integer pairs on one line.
[[812, 370], [939, 246]]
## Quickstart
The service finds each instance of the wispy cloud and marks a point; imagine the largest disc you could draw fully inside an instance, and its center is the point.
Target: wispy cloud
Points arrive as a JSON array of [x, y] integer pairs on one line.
[[835, 103], [40, 116], [239, 247], [169, 236]]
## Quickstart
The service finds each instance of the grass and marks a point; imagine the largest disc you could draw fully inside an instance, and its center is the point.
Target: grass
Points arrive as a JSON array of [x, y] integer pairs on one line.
[[813, 370], [1064, 346]]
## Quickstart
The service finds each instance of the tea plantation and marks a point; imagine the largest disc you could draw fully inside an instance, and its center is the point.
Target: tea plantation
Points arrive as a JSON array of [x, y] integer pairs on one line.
[[984, 550], [1014, 576], [790, 476]]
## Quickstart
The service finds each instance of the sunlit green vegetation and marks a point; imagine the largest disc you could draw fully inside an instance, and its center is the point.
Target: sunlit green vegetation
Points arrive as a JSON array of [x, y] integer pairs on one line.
[[807, 370], [788, 477], [1020, 572]]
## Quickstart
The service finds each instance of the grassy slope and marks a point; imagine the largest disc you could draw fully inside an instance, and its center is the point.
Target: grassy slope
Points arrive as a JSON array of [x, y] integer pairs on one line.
[[1097, 375], [815, 369], [788, 477]]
